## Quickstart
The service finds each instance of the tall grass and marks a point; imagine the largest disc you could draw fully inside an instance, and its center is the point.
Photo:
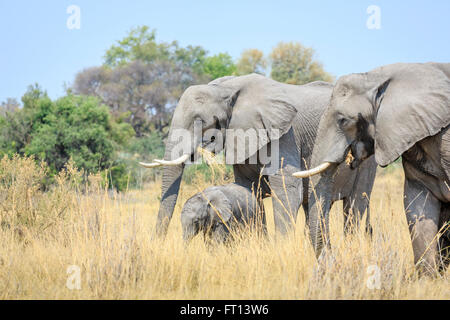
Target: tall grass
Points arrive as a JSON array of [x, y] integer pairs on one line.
[[108, 236]]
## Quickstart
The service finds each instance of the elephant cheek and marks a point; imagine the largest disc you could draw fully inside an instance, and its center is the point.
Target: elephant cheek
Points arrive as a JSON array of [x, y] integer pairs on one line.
[[190, 230], [220, 233]]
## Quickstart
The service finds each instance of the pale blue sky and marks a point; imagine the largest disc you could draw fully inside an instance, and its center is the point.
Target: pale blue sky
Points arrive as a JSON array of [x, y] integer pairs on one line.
[[36, 45]]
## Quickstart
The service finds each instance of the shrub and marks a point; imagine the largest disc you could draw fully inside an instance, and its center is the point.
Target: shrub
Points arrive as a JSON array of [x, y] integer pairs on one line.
[[25, 205]]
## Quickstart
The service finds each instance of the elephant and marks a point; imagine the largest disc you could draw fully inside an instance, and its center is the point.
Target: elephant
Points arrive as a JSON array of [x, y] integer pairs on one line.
[[398, 110], [218, 211], [285, 117]]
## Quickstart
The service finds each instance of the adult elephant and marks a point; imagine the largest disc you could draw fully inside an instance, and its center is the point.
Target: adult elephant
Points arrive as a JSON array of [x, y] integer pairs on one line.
[[392, 111], [286, 118]]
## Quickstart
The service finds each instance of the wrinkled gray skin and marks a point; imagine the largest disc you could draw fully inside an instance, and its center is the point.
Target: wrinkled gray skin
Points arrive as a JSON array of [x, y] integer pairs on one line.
[[218, 211], [254, 101], [392, 111]]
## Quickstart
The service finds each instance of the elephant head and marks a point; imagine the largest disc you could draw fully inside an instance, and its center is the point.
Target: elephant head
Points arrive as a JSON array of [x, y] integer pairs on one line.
[[382, 112], [247, 102], [207, 212]]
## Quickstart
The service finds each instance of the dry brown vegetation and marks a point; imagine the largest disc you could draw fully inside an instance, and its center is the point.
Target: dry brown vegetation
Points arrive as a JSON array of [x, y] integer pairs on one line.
[[108, 236]]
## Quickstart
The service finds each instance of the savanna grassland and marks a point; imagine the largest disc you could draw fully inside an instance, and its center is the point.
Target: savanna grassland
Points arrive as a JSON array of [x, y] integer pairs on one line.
[[108, 236]]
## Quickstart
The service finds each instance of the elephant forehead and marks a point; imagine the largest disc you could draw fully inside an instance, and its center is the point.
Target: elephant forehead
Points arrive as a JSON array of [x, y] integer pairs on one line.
[[353, 105], [198, 95], [348, 83], [195, 204]]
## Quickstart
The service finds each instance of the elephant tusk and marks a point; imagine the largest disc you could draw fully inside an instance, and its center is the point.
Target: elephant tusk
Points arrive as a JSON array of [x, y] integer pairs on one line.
[[175, 162], [305, 174], [150, 165]]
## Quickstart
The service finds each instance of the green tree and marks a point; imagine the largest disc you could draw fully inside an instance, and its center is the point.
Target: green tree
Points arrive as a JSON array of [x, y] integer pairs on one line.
[[251, 61], [139, 44], [33, 96], [219, 65], [9, 106], [15, 130], [192, 57], [16, 124], [294, 64], [78, 128], [143, 78]]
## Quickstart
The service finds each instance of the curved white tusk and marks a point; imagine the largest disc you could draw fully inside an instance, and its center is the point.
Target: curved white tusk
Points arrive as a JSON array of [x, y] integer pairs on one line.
[[175, 162], [150, 165], [305, 174]]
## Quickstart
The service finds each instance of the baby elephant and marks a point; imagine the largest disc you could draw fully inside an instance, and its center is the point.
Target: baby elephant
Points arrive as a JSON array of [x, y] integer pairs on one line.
[[218, 210]]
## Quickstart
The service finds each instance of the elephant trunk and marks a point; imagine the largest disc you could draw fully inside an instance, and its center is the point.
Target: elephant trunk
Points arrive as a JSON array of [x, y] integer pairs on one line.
[[171, 181], [320, 198], [329, 151]]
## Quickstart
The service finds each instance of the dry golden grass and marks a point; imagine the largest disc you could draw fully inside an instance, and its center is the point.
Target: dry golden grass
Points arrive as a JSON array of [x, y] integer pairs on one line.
[[109, 238]]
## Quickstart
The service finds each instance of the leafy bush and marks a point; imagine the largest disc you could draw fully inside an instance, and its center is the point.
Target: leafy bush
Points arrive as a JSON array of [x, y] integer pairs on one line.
[[126, 171], [75, 127]]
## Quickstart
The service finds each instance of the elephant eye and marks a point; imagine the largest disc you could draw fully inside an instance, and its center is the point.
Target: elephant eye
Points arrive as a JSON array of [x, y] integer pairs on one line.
[[342, 122], [218, 126]]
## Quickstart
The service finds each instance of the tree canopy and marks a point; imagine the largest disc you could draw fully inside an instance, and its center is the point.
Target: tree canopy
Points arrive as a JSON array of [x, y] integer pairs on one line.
[[72, 127], [251, 61], [120, 111], [294, 64], [145, 78]]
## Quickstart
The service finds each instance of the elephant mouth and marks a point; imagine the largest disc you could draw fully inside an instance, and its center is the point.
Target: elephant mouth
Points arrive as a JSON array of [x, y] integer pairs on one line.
[[357, 152], [208, 145], [351, 160]]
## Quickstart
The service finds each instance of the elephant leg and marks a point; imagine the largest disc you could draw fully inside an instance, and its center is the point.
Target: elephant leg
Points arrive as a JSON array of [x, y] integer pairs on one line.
[[319, 215], [422, 213], [349, 218], [261, 225], [321, 197], [355, 207], [358, 201], [286, 190], [305, 207], [248, 176], [444, 240], [286, 201]]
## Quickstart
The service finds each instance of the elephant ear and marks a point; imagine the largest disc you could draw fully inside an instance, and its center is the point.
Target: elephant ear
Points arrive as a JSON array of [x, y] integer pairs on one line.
[[263, 112], [412, 104], [219, 208]]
